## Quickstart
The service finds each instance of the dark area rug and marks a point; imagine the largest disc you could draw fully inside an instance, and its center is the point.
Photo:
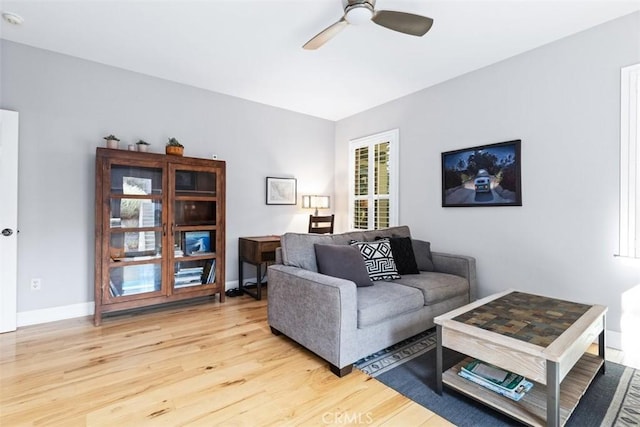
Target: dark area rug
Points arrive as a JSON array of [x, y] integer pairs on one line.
[[612, 399]]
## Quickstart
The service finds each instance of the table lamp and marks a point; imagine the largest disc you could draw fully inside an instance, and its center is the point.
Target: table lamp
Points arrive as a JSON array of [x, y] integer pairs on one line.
[[315, 202]]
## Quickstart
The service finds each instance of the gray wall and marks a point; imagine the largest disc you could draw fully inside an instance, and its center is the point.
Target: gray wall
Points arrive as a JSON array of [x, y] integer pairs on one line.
[[67, 105], [563, 101]]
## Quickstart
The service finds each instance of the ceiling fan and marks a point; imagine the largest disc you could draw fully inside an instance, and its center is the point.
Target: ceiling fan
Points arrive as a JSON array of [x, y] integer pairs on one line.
[[359, 11]]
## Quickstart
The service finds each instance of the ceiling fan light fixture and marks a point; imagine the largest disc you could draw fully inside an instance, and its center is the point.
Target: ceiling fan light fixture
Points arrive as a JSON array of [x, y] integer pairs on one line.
[[12, 18], [359, 14], [361, 11]]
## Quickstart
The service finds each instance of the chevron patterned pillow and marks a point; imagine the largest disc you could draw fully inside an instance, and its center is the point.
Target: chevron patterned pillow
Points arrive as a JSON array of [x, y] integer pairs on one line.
[[378, 259]]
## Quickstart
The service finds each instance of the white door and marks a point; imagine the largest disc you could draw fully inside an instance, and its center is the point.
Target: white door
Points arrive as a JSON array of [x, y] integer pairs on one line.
[[8, 219]]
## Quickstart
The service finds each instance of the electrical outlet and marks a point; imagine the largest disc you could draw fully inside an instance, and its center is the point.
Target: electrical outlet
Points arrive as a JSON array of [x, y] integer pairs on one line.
[[36, 284]]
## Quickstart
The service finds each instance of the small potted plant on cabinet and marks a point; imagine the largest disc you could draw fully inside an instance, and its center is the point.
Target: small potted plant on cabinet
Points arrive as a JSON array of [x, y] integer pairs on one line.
[[112, 141], [142, 145], [174, 147]]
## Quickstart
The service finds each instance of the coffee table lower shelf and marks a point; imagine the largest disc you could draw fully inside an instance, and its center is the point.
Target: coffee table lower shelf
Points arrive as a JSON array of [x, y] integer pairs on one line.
[[532, 408]]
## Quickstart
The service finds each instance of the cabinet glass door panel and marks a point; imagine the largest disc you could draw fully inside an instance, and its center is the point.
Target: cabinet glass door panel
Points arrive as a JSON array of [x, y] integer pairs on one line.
[[135, 213], [194, 212], [135, 246], [136, 180], [134, 279], [190, 182], [198, 272]]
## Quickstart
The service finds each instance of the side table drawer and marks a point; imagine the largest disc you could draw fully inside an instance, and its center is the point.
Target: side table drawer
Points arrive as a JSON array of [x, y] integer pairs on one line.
[[269, 247], [258, 252]]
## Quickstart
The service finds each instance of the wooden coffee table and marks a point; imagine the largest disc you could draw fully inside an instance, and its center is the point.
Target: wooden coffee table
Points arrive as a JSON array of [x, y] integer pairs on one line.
[[542, 338]]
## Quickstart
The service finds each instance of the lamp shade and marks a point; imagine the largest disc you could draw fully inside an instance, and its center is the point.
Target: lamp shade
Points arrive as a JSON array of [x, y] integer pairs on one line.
[[315, 202]]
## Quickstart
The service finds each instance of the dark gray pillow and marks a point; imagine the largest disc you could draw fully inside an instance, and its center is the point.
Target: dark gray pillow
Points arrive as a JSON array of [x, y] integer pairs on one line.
[[342, 261], [422, 252]]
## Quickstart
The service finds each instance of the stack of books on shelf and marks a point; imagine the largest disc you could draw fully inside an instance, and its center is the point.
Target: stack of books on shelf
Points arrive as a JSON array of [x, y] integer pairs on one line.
[[177, 252], [188, 277], [506, 383]]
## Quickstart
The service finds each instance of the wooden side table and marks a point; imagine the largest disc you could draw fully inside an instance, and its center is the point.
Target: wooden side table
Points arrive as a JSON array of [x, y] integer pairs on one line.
[[256, 251]]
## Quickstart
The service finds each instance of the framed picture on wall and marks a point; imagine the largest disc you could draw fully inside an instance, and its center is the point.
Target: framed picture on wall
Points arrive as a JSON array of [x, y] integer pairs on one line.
[[487, 175], [281, 191]]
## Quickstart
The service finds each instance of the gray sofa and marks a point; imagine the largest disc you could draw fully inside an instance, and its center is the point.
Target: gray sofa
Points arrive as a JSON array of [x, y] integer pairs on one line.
[[343, 323]]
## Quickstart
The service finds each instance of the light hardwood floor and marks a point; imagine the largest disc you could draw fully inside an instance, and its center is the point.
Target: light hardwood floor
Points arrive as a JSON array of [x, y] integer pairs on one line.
[[200, 364], [205, 364]]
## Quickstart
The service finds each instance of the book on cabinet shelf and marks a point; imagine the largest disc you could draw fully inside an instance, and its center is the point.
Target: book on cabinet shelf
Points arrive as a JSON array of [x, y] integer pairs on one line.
[[209, 272]]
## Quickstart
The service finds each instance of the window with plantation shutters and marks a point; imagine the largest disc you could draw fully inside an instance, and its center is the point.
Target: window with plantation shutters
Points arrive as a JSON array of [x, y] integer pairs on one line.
[[630, 162], [373, 181]]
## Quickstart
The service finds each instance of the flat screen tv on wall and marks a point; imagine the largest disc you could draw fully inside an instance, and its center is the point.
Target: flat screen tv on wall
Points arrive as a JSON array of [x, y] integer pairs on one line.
[[487, 175]]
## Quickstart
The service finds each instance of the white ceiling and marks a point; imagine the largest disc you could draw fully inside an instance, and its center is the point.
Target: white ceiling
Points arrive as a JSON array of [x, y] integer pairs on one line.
[[252, 49]]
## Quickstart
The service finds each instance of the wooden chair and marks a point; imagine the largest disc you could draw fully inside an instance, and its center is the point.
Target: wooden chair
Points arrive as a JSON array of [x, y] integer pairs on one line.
[[321, 224]]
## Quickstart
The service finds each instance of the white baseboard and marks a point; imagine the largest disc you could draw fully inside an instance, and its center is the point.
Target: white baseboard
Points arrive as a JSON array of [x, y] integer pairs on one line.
[[45, 315], [613, 339], [53, 314]]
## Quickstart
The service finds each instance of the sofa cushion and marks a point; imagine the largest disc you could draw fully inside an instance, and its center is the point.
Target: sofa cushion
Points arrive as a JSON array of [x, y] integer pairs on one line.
[[342, 261], [298, 249], [399, 231], [403, 255], [422, 252], [386, 300], [378, 259], [370, 235], [345, 238], [435, 287]]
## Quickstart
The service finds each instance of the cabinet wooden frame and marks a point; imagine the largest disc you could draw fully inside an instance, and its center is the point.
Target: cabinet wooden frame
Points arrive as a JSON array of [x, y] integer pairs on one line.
[[164, 225]]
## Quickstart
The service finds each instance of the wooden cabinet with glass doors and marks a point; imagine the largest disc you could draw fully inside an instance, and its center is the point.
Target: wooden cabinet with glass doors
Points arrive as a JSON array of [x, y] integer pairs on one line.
[[160, 229]]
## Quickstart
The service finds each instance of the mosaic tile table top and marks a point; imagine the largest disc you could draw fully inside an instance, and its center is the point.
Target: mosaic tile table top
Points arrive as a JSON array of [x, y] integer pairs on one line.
[[532, 318]]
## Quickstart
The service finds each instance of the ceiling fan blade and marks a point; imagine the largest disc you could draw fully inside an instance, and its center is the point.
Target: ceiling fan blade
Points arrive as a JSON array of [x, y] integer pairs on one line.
[[325, 35], [403, 22]]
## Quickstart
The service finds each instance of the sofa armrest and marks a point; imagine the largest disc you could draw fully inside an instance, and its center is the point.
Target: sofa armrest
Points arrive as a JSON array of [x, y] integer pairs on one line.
[[318, 311], [460, 265]]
